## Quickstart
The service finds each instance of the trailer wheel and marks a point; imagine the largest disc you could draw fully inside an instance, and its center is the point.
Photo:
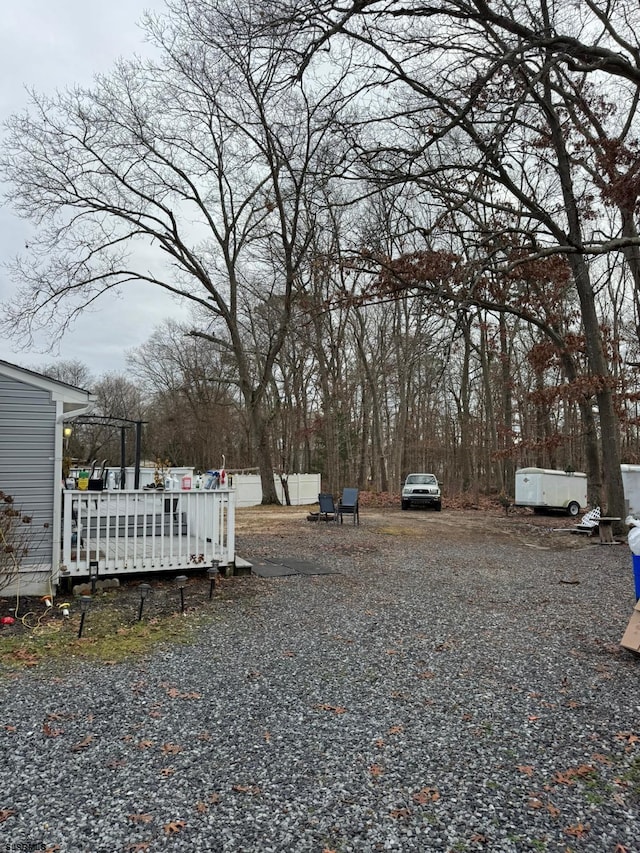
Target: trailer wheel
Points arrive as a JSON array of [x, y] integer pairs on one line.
[[573, 508]]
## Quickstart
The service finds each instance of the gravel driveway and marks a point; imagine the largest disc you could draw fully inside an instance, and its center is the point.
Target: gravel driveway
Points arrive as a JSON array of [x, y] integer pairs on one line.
[[456, 685]]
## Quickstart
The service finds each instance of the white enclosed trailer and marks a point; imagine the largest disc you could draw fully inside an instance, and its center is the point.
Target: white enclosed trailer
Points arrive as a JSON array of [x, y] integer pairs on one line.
[[544, 488], [631, 486]]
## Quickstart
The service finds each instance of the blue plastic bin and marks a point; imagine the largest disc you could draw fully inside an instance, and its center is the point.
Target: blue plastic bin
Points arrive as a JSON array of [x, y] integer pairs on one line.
[[636, 574]]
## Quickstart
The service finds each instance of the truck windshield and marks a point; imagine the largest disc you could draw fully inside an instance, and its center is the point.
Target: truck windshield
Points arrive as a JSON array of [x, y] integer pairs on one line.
[[422, 480]]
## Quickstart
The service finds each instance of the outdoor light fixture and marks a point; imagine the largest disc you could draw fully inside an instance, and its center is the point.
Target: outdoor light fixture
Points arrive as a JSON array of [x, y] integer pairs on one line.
[[93, 575], [67, 432], [85, 601], [181, 581], [212, 572], [144, 589]]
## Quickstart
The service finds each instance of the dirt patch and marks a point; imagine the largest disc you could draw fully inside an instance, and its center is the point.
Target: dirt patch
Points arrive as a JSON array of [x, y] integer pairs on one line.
[[454, 525]]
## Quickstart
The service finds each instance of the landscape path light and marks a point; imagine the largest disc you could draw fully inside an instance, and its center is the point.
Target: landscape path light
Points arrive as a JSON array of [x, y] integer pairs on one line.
[[144, 589], [212, 572], [93, 575], [181, 581], [85, 602]]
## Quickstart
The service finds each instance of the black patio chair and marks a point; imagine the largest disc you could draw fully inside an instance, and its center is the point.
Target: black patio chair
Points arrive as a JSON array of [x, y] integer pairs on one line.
[[348, 505], [327, 506]]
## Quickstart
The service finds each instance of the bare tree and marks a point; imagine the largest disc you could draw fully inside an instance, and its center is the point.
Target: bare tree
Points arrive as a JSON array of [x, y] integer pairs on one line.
[[72, 372], [191, 173], [467, 126]]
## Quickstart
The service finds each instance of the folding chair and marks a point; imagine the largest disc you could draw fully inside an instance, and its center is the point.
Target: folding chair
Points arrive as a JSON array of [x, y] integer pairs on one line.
[[348, 505], [327, 506]]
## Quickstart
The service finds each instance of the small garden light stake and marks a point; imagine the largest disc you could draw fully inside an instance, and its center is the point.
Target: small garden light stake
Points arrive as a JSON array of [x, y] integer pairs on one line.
[[93, 575], [144, 590], [212, 572], [85, 601], [181, 580]]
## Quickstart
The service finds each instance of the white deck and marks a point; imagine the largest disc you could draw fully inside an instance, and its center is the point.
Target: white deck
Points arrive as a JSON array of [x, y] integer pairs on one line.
[[133, 531]]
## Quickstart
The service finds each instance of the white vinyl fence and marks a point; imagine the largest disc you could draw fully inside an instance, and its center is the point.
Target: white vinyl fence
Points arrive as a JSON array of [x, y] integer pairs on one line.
[[303, 488]]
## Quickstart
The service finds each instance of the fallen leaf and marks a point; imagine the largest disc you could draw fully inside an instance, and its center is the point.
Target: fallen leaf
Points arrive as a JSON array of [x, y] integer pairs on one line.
[[140, 818], [83, 744], [577, 831], [5, 814], [9, 728], [526, 769], [174, 693], [534, 803], [337, 709], [174, 826], [26, 657], [379, 743], [376, 770], [399, 814], [426, 795], [201, 807], [171, 748], [145, 744], [553, 811], [629, 737], [167, 771], [569, 776], [396, 730], [138, 847], [48, 731], [214, 798], [426, 674], [60, 715], [267, 737], [246, 789]]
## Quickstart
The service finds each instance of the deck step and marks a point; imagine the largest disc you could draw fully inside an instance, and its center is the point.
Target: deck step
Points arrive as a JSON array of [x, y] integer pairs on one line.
[[242, 566]]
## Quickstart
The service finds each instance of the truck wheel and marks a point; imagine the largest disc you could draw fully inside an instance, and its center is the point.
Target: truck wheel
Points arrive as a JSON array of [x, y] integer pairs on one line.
[[573, 508], [438, 507], [406, 504]]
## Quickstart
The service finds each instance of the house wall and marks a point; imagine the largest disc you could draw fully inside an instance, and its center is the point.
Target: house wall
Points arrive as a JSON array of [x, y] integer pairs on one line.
[[27, 473]]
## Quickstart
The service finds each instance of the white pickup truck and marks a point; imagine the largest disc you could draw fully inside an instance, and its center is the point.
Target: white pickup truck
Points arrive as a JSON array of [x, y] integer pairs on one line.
[[421, 490]]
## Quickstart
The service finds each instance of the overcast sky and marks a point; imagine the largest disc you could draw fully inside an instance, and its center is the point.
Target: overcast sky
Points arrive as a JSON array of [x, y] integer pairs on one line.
[[48, 45]]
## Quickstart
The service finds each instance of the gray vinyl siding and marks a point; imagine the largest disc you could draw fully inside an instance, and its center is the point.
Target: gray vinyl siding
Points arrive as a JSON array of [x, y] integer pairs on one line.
[[27, 471]]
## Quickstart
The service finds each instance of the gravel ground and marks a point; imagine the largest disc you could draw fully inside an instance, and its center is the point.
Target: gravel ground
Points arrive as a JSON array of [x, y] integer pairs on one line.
[[439, 692]]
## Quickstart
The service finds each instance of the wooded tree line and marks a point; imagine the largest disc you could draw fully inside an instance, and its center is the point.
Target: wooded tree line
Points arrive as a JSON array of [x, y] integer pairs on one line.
[[408, 233]]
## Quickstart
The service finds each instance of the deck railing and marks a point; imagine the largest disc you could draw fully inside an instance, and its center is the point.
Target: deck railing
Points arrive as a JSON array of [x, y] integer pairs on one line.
[[131, 531]]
